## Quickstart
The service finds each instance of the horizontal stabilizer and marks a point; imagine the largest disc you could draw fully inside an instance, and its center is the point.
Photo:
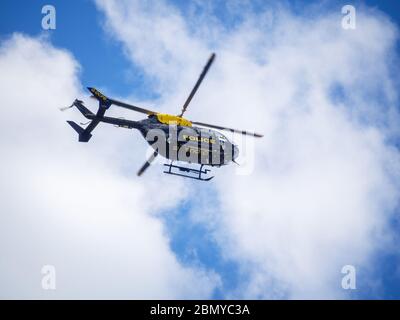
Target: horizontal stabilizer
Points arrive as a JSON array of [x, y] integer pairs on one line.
[[85, 111]]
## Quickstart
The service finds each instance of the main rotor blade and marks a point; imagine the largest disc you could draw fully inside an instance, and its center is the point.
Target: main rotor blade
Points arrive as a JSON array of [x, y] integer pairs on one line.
[[230, 129], [147, 163], [196, 86], [132, 107]]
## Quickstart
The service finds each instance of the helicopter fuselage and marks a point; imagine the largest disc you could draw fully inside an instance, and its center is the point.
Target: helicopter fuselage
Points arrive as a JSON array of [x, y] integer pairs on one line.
[[181, 143], [189, 144], [171, 136]]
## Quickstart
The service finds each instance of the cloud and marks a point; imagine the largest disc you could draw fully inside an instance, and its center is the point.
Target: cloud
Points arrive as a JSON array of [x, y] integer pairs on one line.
[[68, 204], [324, 187]]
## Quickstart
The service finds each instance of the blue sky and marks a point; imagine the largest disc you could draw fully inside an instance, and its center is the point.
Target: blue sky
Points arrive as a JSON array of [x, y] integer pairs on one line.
[[80, 29]]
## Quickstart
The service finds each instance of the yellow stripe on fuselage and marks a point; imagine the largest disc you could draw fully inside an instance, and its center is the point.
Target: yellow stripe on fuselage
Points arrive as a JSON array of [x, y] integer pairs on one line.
[[170, 119]]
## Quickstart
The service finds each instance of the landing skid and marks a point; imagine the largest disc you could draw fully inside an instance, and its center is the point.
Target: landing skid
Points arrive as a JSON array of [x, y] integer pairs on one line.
[[190, 172]]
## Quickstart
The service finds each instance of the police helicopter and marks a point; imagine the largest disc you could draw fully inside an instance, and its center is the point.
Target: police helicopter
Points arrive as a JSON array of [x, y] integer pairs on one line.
[[171, 136]]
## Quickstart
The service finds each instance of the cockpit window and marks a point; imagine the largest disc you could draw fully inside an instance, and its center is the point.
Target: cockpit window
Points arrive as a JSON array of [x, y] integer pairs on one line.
[[222, 139]]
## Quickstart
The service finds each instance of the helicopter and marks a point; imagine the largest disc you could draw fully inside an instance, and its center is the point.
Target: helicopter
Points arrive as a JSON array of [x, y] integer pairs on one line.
[[171, 136]]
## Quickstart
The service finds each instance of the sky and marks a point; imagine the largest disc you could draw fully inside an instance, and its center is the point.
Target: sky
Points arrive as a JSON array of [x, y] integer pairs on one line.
[[318, 192]]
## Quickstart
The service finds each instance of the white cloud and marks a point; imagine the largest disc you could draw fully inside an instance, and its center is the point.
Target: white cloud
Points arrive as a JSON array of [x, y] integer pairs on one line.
[[325, 185], [68, 204]]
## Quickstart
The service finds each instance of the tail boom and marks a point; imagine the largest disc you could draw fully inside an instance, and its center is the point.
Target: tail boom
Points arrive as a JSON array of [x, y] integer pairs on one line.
[[104, 104]]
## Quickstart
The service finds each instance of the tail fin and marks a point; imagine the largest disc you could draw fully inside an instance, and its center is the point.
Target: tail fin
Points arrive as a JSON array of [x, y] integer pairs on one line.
[[103, 100], [104, 104], [84, 136]]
